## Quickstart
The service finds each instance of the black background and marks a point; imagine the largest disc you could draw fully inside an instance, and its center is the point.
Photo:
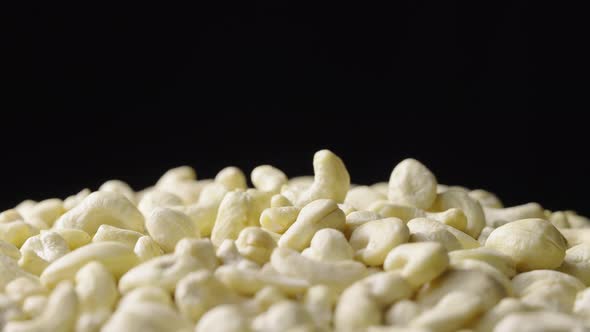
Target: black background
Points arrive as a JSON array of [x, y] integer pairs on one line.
[[484, 94]]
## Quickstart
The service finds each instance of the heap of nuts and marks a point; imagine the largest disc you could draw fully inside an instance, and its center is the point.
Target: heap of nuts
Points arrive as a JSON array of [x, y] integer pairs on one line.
[[298, 255]]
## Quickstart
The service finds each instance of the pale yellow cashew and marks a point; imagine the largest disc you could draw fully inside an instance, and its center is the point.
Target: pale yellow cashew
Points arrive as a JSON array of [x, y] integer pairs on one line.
[[577, 262], [425, 230], [43, 214], [491, 318], [323, 213], [232, 178], [402, 312], [497, 217], [282, 316], [112, 233], [255, 244], [155, 199], [146, 248], [337, 274], [531, 243], [268, 178], [454, 311], [71, 201], [476, 220], [118, 258], [16, 232], [540, 321], [147, 316], [248, 281], [120, 187], [329, 244], [362, 197], [60, 314], [40, 250], [102, 208], [361, 305], [547, 289], [486, 198], [234, 215], [331, 180], [224, 318], [357, 218], [200, 291], [164, 271], [279, 219], [502, 262], [373, 240], [477, 282], [97, 293], [411, 183], [319, 301], [167, 227], [419, 262], [10, 250], [204, 211]]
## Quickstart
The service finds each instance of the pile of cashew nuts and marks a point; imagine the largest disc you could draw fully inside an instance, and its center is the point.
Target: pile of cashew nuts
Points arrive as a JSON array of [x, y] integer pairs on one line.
[[302, 254]]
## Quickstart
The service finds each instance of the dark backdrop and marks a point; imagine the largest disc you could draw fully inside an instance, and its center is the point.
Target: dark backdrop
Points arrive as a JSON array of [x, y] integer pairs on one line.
[[481, 93]]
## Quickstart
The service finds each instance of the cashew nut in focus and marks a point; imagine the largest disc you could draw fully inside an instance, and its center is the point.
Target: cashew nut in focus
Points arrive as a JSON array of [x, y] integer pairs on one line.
[[303, 254]]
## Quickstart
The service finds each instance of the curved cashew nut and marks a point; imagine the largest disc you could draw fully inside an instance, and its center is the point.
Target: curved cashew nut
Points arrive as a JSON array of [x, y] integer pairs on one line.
[[59, 315], [112, 233], [102, 208], [503, 263], [486, 199], [251, 281], [577, 262], [532, 244], [337, 274], [120, 187], [167, 227], [426, 230], [373, 240], [361, 305], [455, 310], [147, 316], [16, 232], [476, 220], [329, 244], [146, 248], [279, 219], [362, 197], [547, 289], [10, 250], [118, 258], [283, 316], [200, 291], [232, 178], [419, 262], [497, 217], [234, 215], [71, 201], [411, 183], [323, 213], [224, 318], [157, 198], [164, 271], [402, 313], [476, 282], [255, 244], [268, 178], [331, 180]]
